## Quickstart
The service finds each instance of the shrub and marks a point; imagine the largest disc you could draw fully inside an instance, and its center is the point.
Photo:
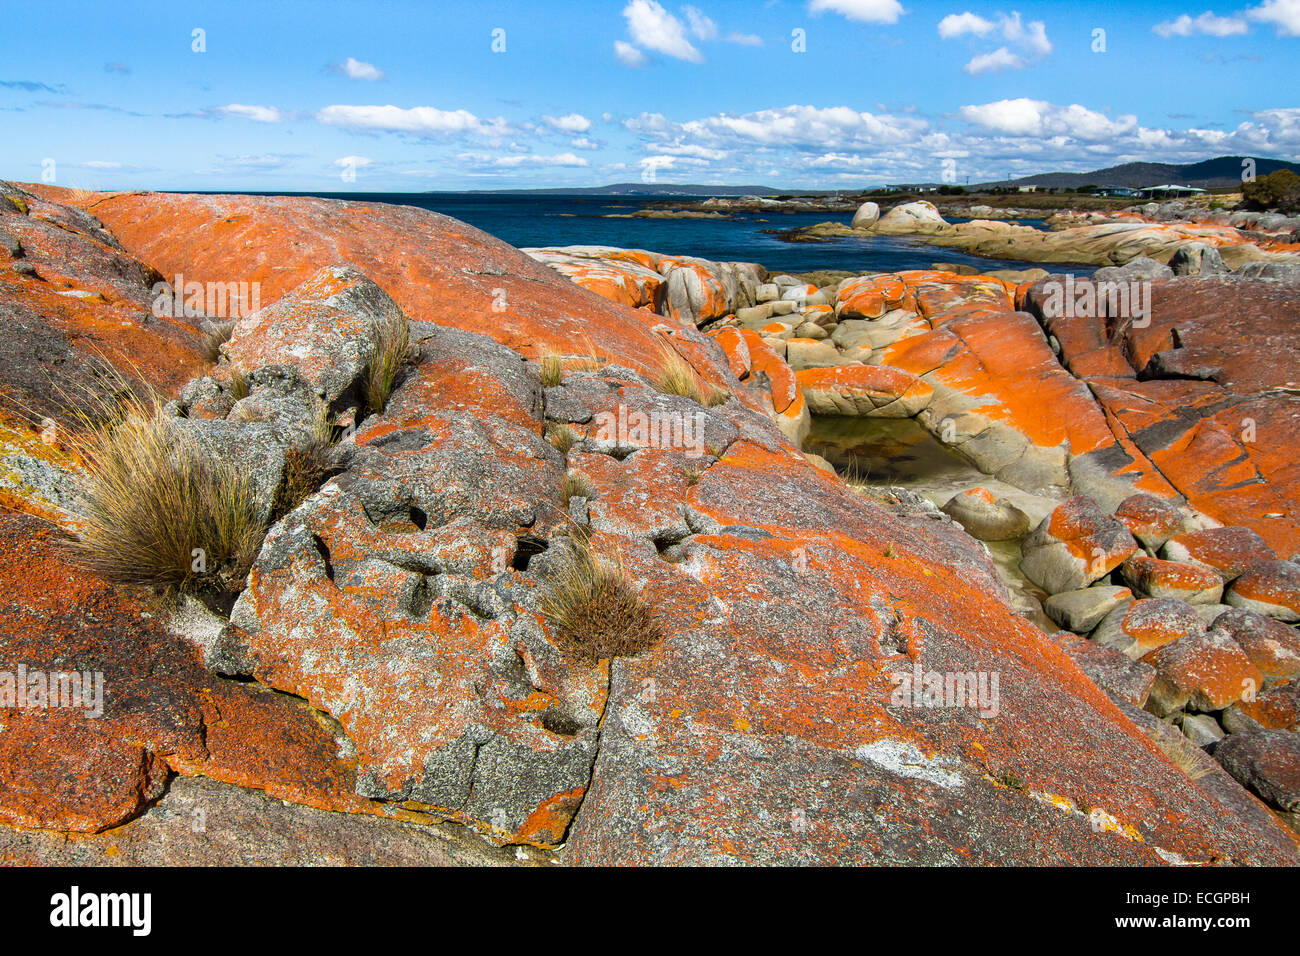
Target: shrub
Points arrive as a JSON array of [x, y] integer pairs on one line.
[[595, 612], [157, 510], [1278, 190], [392, 341]]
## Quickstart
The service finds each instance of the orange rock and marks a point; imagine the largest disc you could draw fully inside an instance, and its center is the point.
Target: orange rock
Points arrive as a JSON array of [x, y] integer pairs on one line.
[[864, 390]]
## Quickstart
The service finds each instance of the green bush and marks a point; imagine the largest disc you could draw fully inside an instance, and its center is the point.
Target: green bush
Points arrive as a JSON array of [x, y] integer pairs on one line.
[[1278, 190]]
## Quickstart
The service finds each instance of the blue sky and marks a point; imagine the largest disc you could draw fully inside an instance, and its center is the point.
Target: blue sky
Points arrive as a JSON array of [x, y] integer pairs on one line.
[[406, 96]]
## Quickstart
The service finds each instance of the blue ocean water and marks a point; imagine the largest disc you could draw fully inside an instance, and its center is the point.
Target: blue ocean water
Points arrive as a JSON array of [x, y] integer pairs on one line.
[[566, 220]]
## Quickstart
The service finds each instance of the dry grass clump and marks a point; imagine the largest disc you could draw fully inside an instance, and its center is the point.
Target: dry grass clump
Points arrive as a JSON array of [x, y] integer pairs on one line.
[[551, 368], [216, 335], [1185, 755], [156, 510], [573, 485], [392, 342], [678, 377], [239, 385], [594, 610], [306, 468], [563, 438]]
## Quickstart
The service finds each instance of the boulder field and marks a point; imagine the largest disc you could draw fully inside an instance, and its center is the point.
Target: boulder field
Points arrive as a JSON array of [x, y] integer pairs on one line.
[[1101, 239], [386, 685]]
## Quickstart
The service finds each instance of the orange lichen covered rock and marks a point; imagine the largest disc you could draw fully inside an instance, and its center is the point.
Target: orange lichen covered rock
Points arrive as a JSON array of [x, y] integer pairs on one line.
[[1152, 520], [1271, 646], [1151, 577], [866, 391], [1230, 551], [1075, 545], [1204, 671], [1137, 628], [1271, 587], [403, 608]]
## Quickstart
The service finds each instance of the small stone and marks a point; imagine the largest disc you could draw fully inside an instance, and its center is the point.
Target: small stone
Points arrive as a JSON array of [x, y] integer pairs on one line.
[[1082, 610]]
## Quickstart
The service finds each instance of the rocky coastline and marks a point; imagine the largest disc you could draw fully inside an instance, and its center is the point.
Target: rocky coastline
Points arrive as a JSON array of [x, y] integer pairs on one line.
[[1115, 572]]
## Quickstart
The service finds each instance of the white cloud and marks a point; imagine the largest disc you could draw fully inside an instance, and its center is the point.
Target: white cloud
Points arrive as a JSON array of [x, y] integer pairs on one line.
[[701, 26], [511, 162], [1032, 36], [1026, 117], [1207, 23], [358, 69], [572, 123], [999, 59], [354, 162], [835, 145], [1029, 40], [653, 27], [959, 24], [866, 11], [628, 55], [258, 114], [583, 142], [744, 39], [99, 164], [1283, 14], [420, 120]]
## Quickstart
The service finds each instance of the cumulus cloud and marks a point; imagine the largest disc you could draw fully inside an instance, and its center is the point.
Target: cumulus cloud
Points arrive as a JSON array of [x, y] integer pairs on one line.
[[1029, 39], [654, 28], [999, 59], [353, 162], [1282, 14], [357, 70], [572, 123], [838, 144], [258, 114], [1207, 23], [701, 26], [628, 55], [959, 24], [418, 120], [864, 11]]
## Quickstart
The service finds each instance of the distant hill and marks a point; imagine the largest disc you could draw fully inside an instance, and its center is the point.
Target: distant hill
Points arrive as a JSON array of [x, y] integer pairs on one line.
[[643, 189], [1207, 174]]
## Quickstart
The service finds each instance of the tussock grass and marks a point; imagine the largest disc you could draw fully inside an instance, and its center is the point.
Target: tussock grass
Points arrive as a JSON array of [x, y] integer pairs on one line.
[[306, 468], [563, 438], [573, 485], [216, 335], [1185, 755], [156, 509], [595, 612], [678, 377], [392, 342], [239, 385], [551, 368]]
